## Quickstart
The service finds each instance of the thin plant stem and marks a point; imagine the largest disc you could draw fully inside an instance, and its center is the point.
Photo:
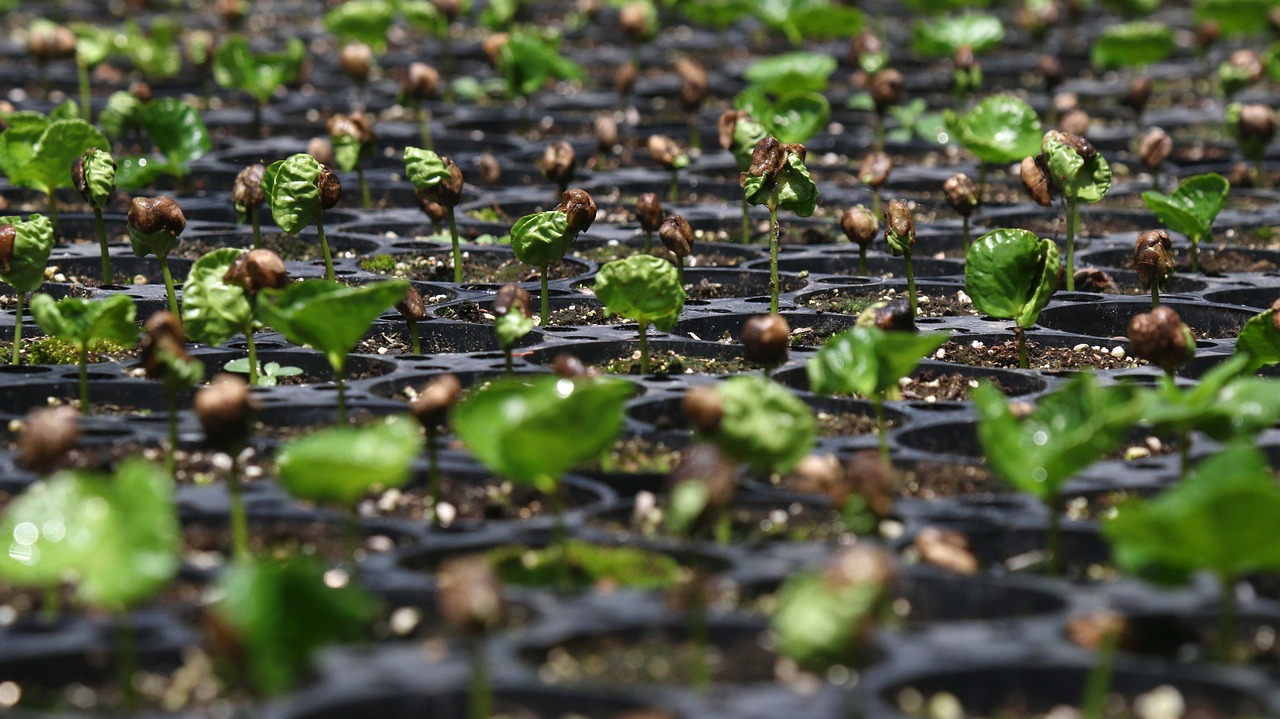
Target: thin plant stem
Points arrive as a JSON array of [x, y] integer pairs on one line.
[[53, 210], [965, 225], [342, 396], [324, 247], [862, 260], [644, 348], [746, 221], [882, 428], [168, 287], [85, 408], [433, 475], [1073, 222], [86, 104], [1195, 254], [479, 691], [546, 298], [1020, 335], [102, 243], [257, 119], [559, 536], [126, 659], [648, 241], [424, 123], [415, 341], [17, 328], [1184, 451], [252, 348], [695, 141], [239, 522], [1260, 174], [1094, 700], [366, 202], [457, 248], [1155, 295], [509, 365], [257, 227], [1226, 619], [879, 138], [773, 256], [876, 207], [171, 422], [1053, 541], [674, 194], [911, 283]]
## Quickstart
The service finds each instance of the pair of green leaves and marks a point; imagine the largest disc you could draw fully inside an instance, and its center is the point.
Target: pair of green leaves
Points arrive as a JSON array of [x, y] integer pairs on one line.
[[869, 361], [158, 53], [999, 130], [213, 309], [943, 37], [425, 169], [179, 134], [32, 243], [1223, 404], [643, 288], [785, 94], [292, 191], [1235, 17], [763, 424], [1011, 274], [802, 20], [1192, 207], [818, 622], [533, 431], [541, 239], [328, 315], [237, 67], [36, 150], [115, 536], [343, 464], [1079, 178], [793, 188], [1133, 44], [83, 322], [529, 60]]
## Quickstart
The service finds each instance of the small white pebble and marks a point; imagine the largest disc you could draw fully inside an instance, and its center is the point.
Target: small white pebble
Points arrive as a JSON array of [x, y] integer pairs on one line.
[[1163, 702], [1117, 352], [1082, 347], [404, 620], [446, 513]]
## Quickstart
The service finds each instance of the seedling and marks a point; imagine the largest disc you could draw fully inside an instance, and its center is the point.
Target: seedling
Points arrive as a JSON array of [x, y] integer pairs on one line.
[[154, 226], [1253, 127], [431, 408], [766, 341], [353, 142], [94, 176], [93, 45], [1259, 339], [37, 151], [413, 309], [1153, 260], [219, 301], [156, 54], [645, 289], [754, 420], [1080, 174], [869, 362], [962, 38], [543, 238], [650, 215], [1132, 44], [786, 95], [247, 197], [439, 180], [739, 134], [1067, 431], [513, 319], [861, 226], [1191, 209], [471, 601], [667, 153], [24, 250], [298, 191], [177, 132], [84, 322], [963, 197], [1011, 274], [778, 179], [47, 41], [677, 236], [529, 60], [999, 130], [1219, 519], [269, 374], [237, 67], [420, 84], [802, 20], [331, 317], [226, 411], [165, 359], [900, 234]]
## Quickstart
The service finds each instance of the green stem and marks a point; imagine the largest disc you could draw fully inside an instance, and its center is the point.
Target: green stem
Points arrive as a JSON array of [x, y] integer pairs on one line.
[[239, 522], [911, 283], [342, 397], [882, 428], [1155, 295], [1020, 335], [1073, 220], [1195, 255], [324, 247], [773, 255], [257, 227], [1099, 680], [479, 692], [168, 288], [1053, 542], [559, 536], [546, 298], [879, 139], [415, 341], [644, 348], [862, 260], [17, 329], [674, 193], [876, 207], [424, 122], [648, 241], [252, 348], [102, 242], [126, 660], [1184, 450], [53, 210], [366, 202], [1226, 619], [433, 475], [507, 353], [171, 421], [746, 221], [965, 225], [695, 142], [85, 408], [1261, 176], [457, 248], [86, 104]]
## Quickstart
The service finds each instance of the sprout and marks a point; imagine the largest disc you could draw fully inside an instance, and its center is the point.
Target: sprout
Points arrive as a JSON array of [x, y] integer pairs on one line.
[[1242, 68], [1080, 174], [1252, 126], [1191, 209], [766, 340], [513, 319], [219, 298], [1153, 259], [165, 358], [739, 134], [94, 177], [36, 152], [677, 236], [1035, 179], [559, 163], [489, 169], [778, 179], [1011, 274], [353, 141], [667, 153], [543, 238], [413, 309], [874, 171], [650, 215], [48, 41], [472, 602], [83, 322], [438, 180], [1162, 338], [48, 433], [702, 486], [177, 132], [154, 226], [624, 79], [1154, 148], [645, 289], [754, 420], [999, 130], [298, 191], [900, 234], [421, 84], [861, 226], [237, 67], [226, 411], [693, 93], [247, 196], [24, 251], [888, 315], [963, 197], [431, 408], [606, 129]]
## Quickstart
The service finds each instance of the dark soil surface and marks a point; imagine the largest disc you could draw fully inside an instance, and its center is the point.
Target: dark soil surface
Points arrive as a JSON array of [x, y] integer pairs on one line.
[[1041, 357], [672, 362], [573, 315], [480, 267], [851, 302]]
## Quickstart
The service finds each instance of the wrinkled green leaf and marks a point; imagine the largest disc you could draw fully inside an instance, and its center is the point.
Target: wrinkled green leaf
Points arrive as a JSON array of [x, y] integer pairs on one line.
[[1235, 17], [999, 130], [343, 464], [327, 315], [1220, 519], [49, 166], [1260, 341], [212, 309], [1084, 179], [93, 44], [424, 168], [798, 117], [176, 130], [84, 322], [365, 21], [1132, 44], [764, 424], [290, 189], [1193, 207], [1011, 274], [818, 623], [941, 38], [100, 176], [869, 361], [18, 141], [794, 188], [541, 239], [32, 244], [643, 288], [511, 327], [1070, 429], [284, 611], [528, 61], [792, 72], [533, 431], [237, 67]]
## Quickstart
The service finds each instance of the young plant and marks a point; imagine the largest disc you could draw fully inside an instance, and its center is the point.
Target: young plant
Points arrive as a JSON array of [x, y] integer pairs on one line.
[[24, 250], [861, 227], [226, 411], [766, 341], [543, 238], [431, 408], [339, 466], [178, 134], [754, 420], [869, 361], [961, 38], [963, 197], [48, 41], [529, 59], [353, 142], [1011, 274], [47, 434], [247, 198], [165, 359], [1153, 260], [154, 226], [1220, 519], [298, 190], [645, 289], [438, 179], [413, 309], [900, 234], [219, 298], [785, 95], [739, 134], [94, 176], [650, 215], [471, 602], [677, 236], [1000, 130], [1259, 340], [329, 316], [1253, 127], [1191, 209], [1067, 431], [84, 322], [778, 179], [156, 54], [559, 164], [802, 20], [36, 152], [237, 67], [1133, 45], [93, 46], [421, 84], [667, 153], [1080, 174]]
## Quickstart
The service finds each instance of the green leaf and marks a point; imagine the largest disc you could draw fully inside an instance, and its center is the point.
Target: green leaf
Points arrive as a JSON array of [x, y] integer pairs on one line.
[[212, 309], [1192, 207], [869, 361], [99, 176], [528, 61], [999, 130], [1235, 17], [828, 21], [714, 13], [746, 134], [118, 116], [291, 191], [1220, 519], [32, 243], [18, 142], [1223, 405], [83, 322], [793, 189], [49, 166], [764, 424], [237, 67], [541, 239], [176, 130], [1069, 430], [1132, 44], [1011, 274], [511, 327], [424, 168], [157, 54], [943, 37], [284, 611], [533, 431], [348, 151], [1083, 179], [936, 7], [327, 315], [798, 117], [135, 173], [1260, 341], [365, 21], [643, 288], [343, 464], [792, 72], [818, 622], [93, 44], [423, 16], [116, 536]]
